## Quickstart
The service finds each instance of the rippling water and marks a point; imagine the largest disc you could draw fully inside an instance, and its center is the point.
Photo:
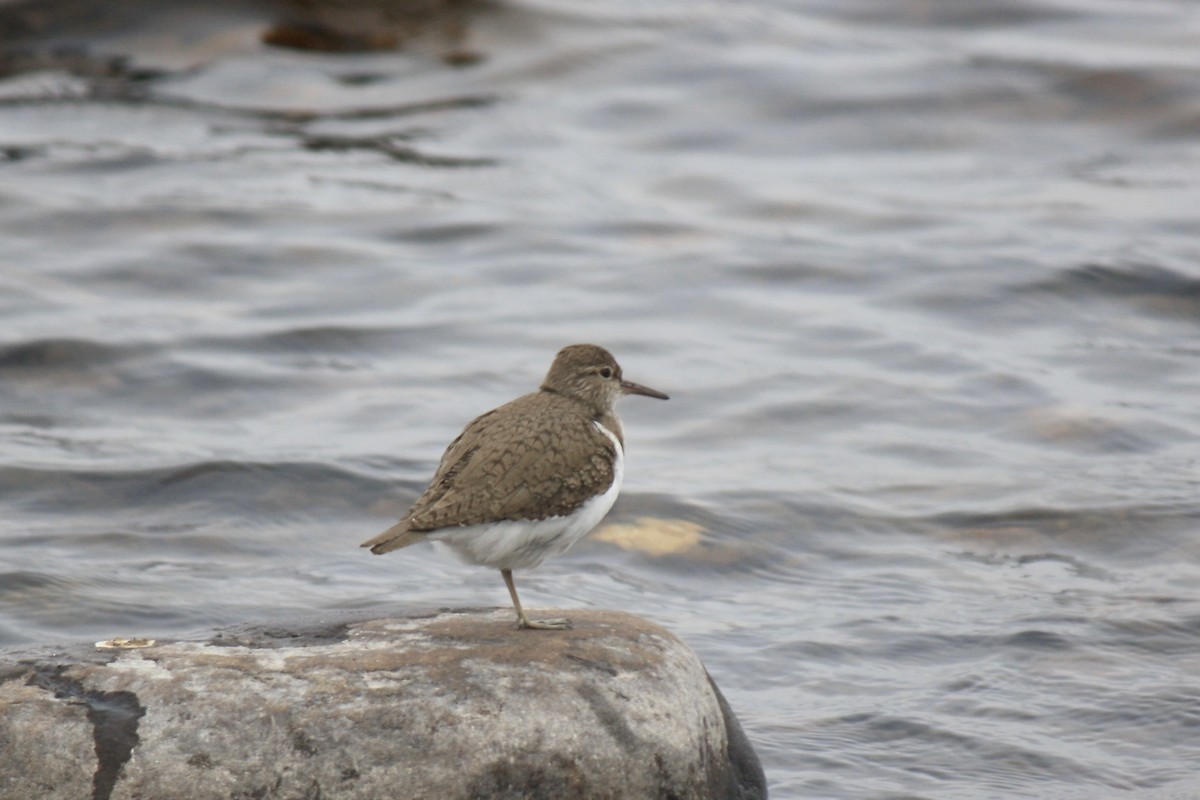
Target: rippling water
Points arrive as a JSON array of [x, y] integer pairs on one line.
[[921, 278]]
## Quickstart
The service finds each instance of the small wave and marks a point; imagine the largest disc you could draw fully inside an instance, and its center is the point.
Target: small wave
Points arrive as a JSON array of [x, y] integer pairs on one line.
[[335, 339], [57, 354], [1147, 287], [250, 488]]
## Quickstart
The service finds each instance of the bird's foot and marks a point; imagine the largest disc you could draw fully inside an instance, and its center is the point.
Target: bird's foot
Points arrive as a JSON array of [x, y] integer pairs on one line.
[[556, 624]]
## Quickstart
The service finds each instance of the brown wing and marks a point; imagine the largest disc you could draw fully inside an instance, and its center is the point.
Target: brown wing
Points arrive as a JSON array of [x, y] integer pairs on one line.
[[509, 464]]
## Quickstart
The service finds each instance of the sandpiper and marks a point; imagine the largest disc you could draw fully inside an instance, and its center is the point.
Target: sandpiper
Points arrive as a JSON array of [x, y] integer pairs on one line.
[[529, 479]]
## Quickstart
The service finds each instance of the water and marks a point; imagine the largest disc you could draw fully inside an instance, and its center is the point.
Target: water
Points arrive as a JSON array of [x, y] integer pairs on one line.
[[921, 279]]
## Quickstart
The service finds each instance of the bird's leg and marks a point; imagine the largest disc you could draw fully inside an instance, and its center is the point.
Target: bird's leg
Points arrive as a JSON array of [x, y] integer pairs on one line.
[[523, 621]]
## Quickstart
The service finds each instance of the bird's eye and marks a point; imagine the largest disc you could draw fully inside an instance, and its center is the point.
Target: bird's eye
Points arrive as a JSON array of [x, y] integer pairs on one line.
[[605, 372]]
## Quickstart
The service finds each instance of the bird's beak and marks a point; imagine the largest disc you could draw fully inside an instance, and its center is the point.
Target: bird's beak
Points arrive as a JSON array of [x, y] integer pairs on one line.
[[629, 387]]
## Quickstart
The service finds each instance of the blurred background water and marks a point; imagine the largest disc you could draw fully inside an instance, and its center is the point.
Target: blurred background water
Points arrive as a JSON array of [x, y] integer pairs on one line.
[[922, 279]]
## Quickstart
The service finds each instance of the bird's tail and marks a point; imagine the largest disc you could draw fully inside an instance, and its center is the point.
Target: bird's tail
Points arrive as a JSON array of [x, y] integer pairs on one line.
[[393, 538]]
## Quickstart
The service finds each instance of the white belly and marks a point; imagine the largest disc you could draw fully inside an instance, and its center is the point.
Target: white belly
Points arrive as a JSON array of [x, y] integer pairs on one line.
[[521, 544]]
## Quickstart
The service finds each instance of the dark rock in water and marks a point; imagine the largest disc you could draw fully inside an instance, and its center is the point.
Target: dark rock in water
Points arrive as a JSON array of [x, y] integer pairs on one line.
[[348, 26], [446, 705]]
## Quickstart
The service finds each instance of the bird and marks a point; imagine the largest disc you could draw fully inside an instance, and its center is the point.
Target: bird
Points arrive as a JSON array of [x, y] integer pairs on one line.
[[529, 479]]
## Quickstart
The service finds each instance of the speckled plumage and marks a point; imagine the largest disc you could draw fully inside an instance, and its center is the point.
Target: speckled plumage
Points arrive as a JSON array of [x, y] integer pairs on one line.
[[523, 474], [536, 457]]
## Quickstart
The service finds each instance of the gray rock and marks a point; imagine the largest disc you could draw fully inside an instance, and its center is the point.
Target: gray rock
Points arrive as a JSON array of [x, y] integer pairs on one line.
[[440, 705]]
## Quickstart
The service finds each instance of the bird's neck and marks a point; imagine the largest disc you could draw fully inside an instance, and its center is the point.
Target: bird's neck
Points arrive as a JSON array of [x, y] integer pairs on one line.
[[612, 422], [605, 416]]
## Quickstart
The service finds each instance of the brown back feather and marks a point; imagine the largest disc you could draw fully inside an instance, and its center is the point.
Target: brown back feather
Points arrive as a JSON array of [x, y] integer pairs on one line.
[[508, 465]]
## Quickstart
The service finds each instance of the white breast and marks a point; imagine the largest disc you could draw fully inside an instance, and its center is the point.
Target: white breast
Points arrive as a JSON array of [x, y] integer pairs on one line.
[[522, 544]]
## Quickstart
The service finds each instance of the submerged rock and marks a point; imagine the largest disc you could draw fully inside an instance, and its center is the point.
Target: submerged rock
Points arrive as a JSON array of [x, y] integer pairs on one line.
[[446, 705]]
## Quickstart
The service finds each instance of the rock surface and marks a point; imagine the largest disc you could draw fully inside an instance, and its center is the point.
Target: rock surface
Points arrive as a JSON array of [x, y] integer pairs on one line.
[[444, 704]]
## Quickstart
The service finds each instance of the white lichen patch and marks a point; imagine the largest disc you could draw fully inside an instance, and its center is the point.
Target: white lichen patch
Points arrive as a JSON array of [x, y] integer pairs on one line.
[[134, 664]]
